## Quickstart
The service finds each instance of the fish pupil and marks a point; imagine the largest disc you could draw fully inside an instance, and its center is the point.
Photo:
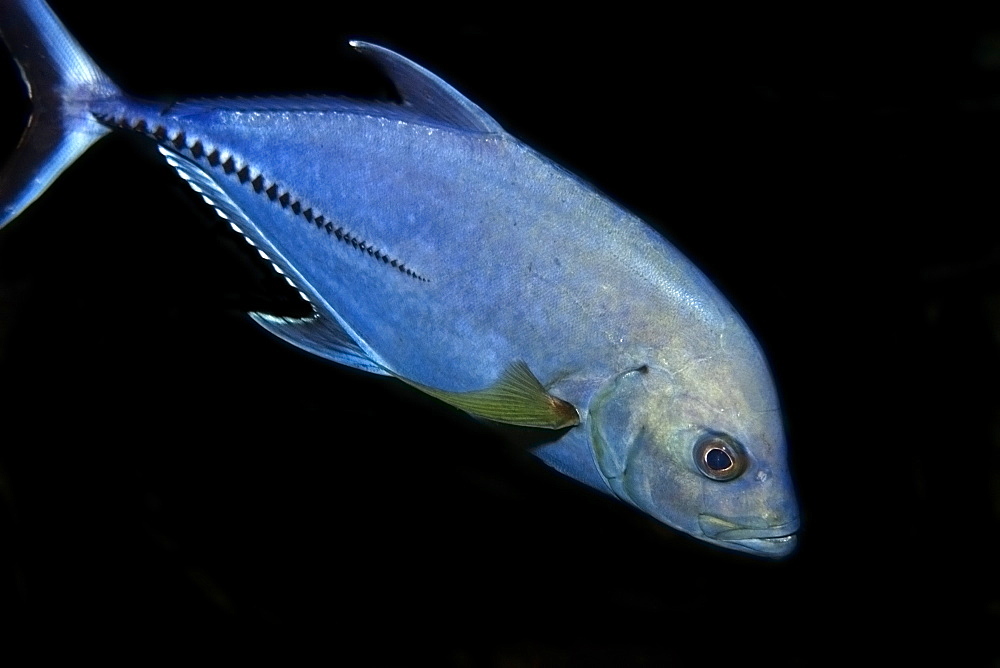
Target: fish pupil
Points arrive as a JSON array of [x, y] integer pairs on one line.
[[718, 460]]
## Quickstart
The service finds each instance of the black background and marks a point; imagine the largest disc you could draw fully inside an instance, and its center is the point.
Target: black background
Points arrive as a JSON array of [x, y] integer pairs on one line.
[[167, 467]]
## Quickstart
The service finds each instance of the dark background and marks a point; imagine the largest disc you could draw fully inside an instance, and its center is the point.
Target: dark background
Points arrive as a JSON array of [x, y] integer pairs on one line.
[[166, 467]]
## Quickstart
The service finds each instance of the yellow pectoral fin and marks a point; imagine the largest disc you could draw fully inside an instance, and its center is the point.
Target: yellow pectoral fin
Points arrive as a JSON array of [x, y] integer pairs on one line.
[[516, 398]]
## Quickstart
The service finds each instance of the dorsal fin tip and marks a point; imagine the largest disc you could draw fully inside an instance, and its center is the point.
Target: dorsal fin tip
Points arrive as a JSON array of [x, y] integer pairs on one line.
[[427, 93]]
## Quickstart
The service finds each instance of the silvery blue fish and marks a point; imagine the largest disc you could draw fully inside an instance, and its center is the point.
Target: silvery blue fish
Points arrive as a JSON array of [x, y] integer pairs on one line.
[[433, 247]]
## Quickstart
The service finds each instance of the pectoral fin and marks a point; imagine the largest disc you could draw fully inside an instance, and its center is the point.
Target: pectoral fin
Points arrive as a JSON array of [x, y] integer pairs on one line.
[[516, 398]]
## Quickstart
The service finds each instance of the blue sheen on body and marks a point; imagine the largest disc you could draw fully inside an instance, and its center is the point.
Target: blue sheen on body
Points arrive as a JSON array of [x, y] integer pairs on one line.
[[436, 248]]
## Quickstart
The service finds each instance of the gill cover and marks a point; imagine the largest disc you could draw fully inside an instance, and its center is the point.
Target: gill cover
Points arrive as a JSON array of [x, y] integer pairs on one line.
[[622, 418]]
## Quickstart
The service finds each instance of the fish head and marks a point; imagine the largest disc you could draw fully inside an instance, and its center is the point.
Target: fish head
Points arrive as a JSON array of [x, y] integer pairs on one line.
[[700, 448]]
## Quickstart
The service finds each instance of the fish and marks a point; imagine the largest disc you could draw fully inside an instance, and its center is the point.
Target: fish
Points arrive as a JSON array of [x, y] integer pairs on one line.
[[428, 245]]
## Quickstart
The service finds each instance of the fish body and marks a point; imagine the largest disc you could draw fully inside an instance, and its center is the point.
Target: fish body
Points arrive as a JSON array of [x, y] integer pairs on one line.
[[429, 245]]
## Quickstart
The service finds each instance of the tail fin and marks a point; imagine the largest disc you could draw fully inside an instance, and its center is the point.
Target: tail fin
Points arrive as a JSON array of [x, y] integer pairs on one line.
[[61, 81]]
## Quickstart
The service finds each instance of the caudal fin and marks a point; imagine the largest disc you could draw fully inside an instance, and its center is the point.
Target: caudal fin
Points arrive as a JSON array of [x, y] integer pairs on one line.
[[62, 81]]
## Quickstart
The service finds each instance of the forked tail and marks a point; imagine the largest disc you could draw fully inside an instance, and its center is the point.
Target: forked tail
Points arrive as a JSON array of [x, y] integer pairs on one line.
[[62, 81]]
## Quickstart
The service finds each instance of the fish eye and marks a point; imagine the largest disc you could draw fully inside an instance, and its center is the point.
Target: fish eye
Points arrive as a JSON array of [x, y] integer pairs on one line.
[[719, 457]]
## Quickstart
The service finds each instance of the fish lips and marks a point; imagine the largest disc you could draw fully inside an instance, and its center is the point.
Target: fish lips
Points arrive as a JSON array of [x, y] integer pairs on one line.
[[752, 536]]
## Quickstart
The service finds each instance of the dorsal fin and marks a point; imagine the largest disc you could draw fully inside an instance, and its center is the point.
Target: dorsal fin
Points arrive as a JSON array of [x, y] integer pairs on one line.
[[515, 398], [426, 93]]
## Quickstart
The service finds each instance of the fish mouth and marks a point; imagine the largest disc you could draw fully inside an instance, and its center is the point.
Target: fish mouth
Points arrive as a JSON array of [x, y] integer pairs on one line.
[[775, 547], [753, 535]]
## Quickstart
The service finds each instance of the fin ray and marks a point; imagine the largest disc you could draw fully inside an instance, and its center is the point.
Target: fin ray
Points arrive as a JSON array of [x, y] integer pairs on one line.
[[515, 398], [321, 336]]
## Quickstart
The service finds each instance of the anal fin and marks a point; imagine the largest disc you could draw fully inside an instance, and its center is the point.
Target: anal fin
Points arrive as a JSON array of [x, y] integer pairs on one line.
[[324, 333]]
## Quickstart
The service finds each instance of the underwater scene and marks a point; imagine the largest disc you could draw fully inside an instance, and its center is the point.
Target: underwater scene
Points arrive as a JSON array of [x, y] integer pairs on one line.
[[169, 465]]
